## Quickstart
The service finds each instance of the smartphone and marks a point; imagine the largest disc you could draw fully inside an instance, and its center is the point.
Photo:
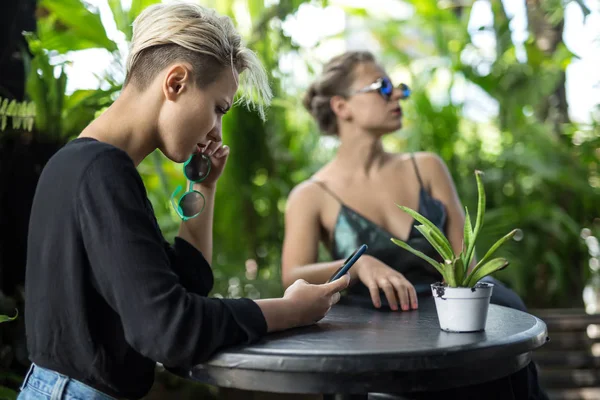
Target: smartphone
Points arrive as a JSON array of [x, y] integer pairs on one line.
[[348, 263]]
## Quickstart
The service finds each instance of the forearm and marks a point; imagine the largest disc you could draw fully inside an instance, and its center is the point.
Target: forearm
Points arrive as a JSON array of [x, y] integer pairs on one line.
[[198, 231], [317, 273]]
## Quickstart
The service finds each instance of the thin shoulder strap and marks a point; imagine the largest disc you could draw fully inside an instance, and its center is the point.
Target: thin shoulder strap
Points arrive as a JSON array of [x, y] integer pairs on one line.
[[325, 188], [412, 156]]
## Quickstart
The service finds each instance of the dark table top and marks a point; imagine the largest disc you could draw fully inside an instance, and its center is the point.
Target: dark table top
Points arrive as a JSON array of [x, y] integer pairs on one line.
[[356, 349]]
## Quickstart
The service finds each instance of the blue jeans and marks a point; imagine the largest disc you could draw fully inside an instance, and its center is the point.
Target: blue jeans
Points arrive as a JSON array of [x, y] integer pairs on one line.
[[44, 384]]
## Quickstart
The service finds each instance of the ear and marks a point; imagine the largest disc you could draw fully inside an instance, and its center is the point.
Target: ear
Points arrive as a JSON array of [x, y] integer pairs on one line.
[[177, 79], [340, 107]]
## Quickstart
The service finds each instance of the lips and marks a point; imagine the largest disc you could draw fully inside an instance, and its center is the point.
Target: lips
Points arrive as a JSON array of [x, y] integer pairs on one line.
[[397, 111]]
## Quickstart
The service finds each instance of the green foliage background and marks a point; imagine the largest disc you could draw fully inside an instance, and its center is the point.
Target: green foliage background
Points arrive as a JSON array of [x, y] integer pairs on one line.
[[541, 169]]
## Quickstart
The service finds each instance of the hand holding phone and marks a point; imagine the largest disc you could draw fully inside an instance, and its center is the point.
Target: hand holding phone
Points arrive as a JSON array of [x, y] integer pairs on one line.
[[348, 263]]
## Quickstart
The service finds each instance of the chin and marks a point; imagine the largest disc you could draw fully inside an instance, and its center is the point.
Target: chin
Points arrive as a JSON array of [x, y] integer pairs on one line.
[[396, 126], [386, 130], [176, 155]]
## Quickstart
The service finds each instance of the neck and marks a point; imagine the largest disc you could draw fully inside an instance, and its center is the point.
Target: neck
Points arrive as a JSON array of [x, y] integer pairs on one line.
[[359, 151], [124, 126]]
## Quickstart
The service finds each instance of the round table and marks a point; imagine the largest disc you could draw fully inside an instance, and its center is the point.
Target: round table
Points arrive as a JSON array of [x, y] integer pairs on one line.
[[358, 349]]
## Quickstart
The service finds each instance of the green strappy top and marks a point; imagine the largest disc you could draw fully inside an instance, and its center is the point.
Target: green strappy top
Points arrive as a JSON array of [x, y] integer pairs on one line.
[[352, 229]]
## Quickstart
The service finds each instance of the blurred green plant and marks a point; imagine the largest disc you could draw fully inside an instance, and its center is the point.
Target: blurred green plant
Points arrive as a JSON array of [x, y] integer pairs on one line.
[[541, 168], [22, 114], [58, 116], [261, 170], [6, 318]]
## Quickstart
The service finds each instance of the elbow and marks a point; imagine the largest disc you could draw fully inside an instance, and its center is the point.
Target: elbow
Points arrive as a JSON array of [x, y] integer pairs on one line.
[[167, 338], [152, 345]]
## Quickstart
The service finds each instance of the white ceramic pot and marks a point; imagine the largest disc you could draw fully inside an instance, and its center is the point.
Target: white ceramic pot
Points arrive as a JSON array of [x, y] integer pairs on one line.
[[462, 309]]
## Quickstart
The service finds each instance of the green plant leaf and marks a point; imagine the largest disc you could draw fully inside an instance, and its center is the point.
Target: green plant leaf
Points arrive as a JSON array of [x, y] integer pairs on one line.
[[36, 90], [491, 252], [459, 270], [449, 273], [489, 268], [121, 18], [417, 253], [429, 225], [480, 215], [75, 17], [437, 243], [7, 393], [138, 5], [467, 238], [6, 318]]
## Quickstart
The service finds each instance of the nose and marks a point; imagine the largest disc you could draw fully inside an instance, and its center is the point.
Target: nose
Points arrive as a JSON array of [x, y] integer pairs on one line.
[[215, 133], [397, 95]]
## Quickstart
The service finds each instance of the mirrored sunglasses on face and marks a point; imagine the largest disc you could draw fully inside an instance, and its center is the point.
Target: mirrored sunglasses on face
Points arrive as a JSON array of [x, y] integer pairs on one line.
[[385, 88], [192, 203]]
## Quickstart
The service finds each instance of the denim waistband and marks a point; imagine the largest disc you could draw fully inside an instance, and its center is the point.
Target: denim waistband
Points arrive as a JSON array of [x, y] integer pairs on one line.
[[58, 386]]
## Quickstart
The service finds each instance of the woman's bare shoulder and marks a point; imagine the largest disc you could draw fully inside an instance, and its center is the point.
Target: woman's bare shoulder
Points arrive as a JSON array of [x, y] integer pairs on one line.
[[425, 160], [306, 195]]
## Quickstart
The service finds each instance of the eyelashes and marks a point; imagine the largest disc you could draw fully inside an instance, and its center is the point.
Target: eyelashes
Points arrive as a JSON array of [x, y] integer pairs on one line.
[[222, 111]]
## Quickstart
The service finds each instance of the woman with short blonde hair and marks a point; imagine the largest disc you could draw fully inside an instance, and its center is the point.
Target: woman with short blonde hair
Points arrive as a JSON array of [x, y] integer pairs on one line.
[[106, 296]]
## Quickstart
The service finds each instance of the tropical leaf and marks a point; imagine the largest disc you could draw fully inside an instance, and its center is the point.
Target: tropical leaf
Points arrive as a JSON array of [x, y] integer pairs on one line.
[[121, 18], [435, 264], [468, 239], [488, 268], [428, 224], [492, 250], [480, 216], [137, 6], [80, 22], [439, 244]]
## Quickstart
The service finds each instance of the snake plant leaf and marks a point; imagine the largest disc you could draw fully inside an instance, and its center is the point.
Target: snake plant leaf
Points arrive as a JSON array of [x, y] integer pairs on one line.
[[491, 251], [488, 268], [480, 215], [459, 270], [427, 223], [437, 243], [467, 238], [417, 253], [449, 273]]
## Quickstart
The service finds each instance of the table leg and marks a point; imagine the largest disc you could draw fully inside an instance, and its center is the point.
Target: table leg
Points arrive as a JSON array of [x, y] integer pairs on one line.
[[345, 396]]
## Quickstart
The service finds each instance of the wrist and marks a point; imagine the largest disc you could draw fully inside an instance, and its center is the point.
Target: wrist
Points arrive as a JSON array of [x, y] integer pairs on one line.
[[358, 266], [205, 186], [278, 313]]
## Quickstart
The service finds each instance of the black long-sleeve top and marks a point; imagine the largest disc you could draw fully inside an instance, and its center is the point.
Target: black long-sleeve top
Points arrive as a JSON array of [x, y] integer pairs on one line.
[[106, 296]]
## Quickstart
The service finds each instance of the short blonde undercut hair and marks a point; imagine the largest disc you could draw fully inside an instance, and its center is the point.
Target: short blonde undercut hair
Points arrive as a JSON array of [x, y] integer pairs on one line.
[[179, 31]]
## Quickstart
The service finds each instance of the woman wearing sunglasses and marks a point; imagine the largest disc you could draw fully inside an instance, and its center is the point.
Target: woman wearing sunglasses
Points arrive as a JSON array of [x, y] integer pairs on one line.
[[106, 296], [352, 200]]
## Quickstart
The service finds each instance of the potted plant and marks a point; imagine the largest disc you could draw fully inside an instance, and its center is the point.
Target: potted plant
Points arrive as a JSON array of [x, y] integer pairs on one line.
[[461, 300]]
